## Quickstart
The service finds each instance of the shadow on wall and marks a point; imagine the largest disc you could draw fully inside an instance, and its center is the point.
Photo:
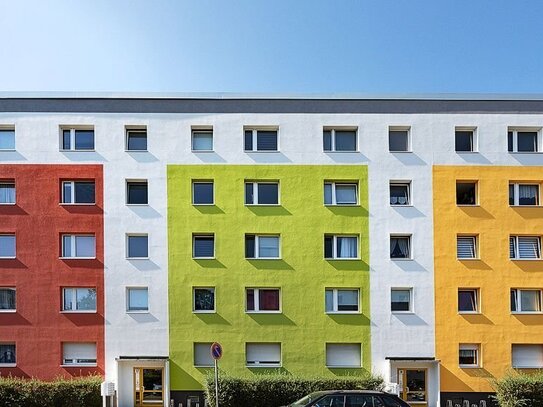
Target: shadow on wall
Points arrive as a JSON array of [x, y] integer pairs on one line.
[[409, 158], [354, 319], [452, 381], [529, 213], [144, 264], [262, 371], [479, 319], [351, 211], [14, 372], [212, 319], [209, 157], [12, 210], [476, 212], [210, 263], [11, 156], [475, 264], [269, 210], [474, 158], [83, 209], [410, 319], [182, 379], [262, 264], [349, 265], [12, 264], [348, 158], [269, 158], [142, 156], [408, 212], [144, 211], [409, 265], [271, 319], [80, 156], [85, 319], [208, 209], [342, 371]]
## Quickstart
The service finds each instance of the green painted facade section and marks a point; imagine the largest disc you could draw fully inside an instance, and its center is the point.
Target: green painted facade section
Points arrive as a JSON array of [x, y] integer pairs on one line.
[[303, 328]]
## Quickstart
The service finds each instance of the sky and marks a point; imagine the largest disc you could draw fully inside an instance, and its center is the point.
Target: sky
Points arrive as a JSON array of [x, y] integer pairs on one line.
[[273, 46]]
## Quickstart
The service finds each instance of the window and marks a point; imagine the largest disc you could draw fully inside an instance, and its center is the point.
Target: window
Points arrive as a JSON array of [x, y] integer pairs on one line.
[[525, 301], [260, 140], [137, 246], [261, 193], [79, 299], [204, 299], [524, 247], [78, 353], [137, 193], [466, 193], [203, 246], [342, 300], [136, 139], [464, 140], [202, 139], [137, 299], [468, 355], [330, 401], [339, 139], [339, 193], [468, 300], [7, 354], [400, 247], [78, 246], [355, 400], [343, 355], [78, 192], [262, 299], [202, 355], [261, 247], [338, 247], [8, 299], [7, 192], [523, 140], [77, 139], [400, 300], [7, 246], [466, 247], [523, 194], [7, 139], [202, 193], [390, 401], [263, 354], [398, 139], [527, 356], [400, 193]]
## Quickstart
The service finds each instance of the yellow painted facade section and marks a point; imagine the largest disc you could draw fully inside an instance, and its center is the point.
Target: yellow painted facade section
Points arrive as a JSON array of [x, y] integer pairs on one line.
[[494, 273]]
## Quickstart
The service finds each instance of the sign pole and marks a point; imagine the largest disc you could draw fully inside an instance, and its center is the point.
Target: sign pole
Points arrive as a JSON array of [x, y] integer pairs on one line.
[[216, 383]]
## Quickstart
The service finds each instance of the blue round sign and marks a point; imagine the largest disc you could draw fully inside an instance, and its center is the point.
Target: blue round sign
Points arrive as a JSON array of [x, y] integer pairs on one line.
[[216, 350]]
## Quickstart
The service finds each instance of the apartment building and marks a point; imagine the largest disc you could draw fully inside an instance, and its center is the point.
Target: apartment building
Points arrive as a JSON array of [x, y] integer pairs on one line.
[[309, 236]]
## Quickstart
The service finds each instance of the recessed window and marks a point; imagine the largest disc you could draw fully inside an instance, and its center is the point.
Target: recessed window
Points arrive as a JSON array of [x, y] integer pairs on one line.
[[260, 140], [339, 139], [203, 246], [8, 354], [524, 247], [400, 247], [202, 193], [263, 354], [523, 141], [7, 139], [466, 247], [528, 301], [398, 139], [342, 300], [79, 354], [523, 194], [8, 299], [79, 246], [7, 192], [77, 139], [202, 139], [400, 300], [78, 192], [202, 355], [262, 246], [137, 246], [468, 300], [340, 193], [137, 193], [261, 193], [400, 193], [343, 355], [466, 193], [7, 246], [136, 139], [204, 299], [464, 140], [338, 247], [137, 299], [527, 356], [262, 299], [79, 299], [468, 355]]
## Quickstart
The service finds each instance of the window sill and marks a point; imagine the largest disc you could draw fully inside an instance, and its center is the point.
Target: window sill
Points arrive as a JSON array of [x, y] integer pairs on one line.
[[136, 151], [263, 312], [466, 152], [77, 151], [137, 311], [467, 205], [525, 152], [138, 258], [469, 366], [401, 259], [7, 204], [468, 259], [204, 366], [341, 151], [343, 367], [262, 205], [204, 258], [343, 259], [77, 204], [203, 204], [7, 364], [81, 365], [263, 258], [7, 150], [526, 313], [403, 312], [401, 152], [401, 206], [131, 204], [342, 205], [342, 313], [527, 367], [204, 312], [469, 313], [538, 259], [202, 151], [8, 257], [78, 312], [264, 365], [77, 258], [8, 311], [525, 206], [262, 151]]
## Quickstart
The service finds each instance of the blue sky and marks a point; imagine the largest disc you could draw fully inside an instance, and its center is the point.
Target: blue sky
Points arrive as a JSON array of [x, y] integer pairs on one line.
[[279, 46]]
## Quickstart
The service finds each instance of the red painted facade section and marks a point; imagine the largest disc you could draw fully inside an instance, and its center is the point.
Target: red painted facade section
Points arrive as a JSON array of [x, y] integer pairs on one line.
[[38, 327]]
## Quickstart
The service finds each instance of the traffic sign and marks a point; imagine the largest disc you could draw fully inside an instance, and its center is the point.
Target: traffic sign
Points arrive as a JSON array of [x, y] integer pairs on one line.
[[216, 350]]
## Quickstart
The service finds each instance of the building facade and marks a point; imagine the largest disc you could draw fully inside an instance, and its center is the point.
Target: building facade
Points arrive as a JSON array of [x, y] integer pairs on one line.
[[309, 236]]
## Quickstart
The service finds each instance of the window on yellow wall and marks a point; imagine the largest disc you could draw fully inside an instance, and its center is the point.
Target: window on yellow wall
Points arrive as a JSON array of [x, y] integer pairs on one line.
[[526, 301], [524, 247], [468, 300], [469, 355], [466, 247], [523, 194], [466, 193]]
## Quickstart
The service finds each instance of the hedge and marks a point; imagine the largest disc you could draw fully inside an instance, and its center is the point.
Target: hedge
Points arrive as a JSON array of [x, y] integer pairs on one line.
[[78, 392], [520, 389], [273, 390]]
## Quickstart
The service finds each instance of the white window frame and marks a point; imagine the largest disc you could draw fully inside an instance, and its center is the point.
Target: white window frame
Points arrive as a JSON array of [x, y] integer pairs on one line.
[[73, 304], [15, 239], [9, 182], [76, 363], [335, 302], [517, 252], [10, 311], [73, 245], [334, 247], [410, 247], [255, 130], [197, 311], [478, 355], [194, 182], [127, 240], [72, 130], [409, 141], [135, 181], [137, 311], [406, 183], [203, 129], [255, 192], [9, 128], [411, 309], [72, 192], [334, 195], [475, 240], [518, 296], [256, 293], [476, 184], [257, 244], [197, 235], [358, 365], [474, 139], [516, 194], [516, 130], [332, 131], [264, 365], [10, 364], [208, 345], [477, 292], [533, 366], [135, 129]]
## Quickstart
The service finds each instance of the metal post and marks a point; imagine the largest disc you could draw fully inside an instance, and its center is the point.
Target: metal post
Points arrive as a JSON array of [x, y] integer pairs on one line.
[[216, 383]]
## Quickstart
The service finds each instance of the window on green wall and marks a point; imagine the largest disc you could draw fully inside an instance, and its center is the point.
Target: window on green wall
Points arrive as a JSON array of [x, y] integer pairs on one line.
[[202, 193], [261, 193], [262, 247], [337, 247], [340, 193], [203, 246]]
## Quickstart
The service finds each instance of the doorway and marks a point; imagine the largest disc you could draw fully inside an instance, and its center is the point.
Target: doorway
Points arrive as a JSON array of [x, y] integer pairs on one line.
[[148, 386], [413, 386]]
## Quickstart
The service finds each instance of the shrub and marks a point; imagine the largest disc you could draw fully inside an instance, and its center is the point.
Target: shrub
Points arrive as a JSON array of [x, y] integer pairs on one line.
[[519, 389], [279, 389], [78, 392]]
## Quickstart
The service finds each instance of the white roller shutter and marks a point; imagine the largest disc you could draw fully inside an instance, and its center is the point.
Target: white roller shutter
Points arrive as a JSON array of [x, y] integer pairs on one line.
[[528, 356], [267, 354], [343, 355], [202, 354], [72, 352]]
